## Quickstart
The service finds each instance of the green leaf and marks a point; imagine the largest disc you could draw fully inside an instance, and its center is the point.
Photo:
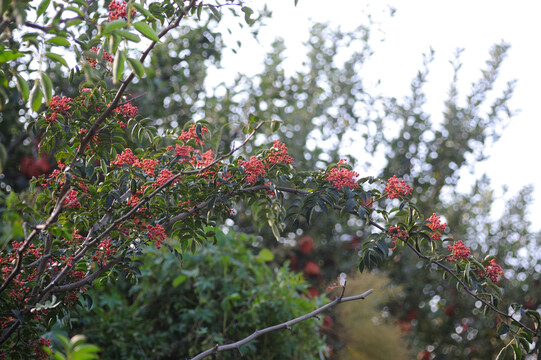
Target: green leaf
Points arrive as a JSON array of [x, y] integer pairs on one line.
[[215, 12], [275, 125], [8, 55], [141, 9], [88, 301], [247, 13], [136, 67], [56, 58], [129, 35], [265, 255], [146, 31], [35, 96], [42, 7], [114, 25], [503, 329], [23, 88], [179, 280], [517, 351], [350, 204], [118, 66], [47, 87], [3, 157], [59, 40]]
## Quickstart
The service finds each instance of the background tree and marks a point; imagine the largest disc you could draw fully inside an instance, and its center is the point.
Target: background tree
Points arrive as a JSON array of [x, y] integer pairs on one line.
[[326, 93]]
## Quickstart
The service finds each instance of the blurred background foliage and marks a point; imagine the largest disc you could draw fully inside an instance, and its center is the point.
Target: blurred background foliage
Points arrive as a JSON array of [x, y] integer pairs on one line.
[[327, 113]]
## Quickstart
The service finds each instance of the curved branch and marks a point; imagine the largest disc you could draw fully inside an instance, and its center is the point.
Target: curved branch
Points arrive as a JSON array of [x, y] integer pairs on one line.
[[285, 325]]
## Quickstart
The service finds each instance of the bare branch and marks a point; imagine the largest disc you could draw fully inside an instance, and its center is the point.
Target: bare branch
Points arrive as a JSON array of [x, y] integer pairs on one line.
[[284, 325]]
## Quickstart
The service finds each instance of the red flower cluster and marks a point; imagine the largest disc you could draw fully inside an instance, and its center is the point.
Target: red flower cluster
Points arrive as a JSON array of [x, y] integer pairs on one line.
[[117, 10], [459, 251], [342, 177], [278, 154], [253, 169], [58, 104], [492, 271], [127, 110], [396, 188], [435, 224], [157, 234], [105, 56], [191, 133]]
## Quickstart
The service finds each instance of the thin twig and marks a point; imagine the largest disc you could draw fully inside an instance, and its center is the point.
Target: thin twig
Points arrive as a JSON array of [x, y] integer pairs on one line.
[[285, 325]]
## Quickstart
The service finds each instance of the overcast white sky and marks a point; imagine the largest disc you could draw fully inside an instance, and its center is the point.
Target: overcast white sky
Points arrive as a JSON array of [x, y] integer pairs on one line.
[[445, 26]]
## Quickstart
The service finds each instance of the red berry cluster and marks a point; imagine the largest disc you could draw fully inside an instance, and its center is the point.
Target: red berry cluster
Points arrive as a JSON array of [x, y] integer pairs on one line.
[[396, 188], [157, 234], [58, 105], [278, 154], [105, 56], [342, 177], [105, 250], [72, 201], [253, 169], [127, 158], [459, 251], [397, 233], [435, 224], [492, 271], [164, 176], [117, 10], [127, 110], [191, 133]]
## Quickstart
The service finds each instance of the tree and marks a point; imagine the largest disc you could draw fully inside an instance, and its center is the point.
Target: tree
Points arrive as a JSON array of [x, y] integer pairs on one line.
[[90, 218]]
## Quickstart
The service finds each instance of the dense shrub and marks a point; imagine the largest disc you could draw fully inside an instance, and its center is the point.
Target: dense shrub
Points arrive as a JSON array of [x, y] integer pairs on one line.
[[180, 307]]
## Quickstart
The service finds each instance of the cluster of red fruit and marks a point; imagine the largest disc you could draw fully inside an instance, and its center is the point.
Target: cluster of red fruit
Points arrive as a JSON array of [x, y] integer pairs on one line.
[[117, 10]]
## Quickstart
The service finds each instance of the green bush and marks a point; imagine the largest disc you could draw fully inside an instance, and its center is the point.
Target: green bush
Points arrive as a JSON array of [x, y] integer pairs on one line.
[[178, 308]]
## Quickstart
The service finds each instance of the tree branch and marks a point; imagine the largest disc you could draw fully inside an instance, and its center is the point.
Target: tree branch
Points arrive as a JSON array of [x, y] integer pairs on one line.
[[284, 325]]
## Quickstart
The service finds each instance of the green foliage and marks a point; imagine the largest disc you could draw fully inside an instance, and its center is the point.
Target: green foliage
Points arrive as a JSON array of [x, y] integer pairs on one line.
[[178, 308], [75, 348]]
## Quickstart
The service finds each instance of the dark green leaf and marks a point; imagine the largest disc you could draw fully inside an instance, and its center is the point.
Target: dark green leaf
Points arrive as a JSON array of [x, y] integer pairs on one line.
[[503, 329], [350, 204]]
